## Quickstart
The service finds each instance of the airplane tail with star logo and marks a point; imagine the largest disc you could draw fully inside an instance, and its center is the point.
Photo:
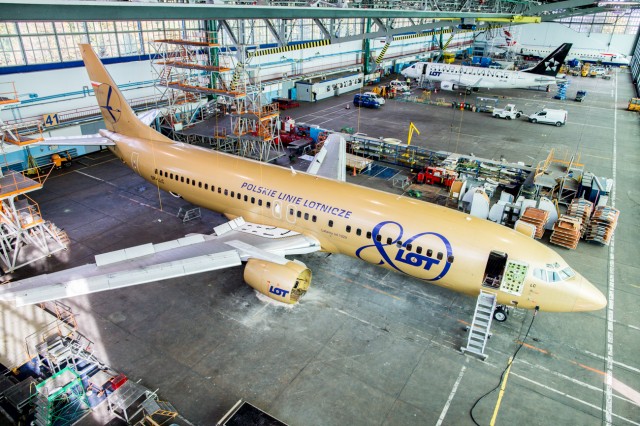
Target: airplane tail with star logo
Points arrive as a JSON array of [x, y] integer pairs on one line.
[[118, 115], [550, 65]]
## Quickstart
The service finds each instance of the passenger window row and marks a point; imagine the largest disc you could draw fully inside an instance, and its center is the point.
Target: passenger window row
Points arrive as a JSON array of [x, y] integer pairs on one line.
[[299, 214], [389, 240], [292, 212], [206, 186]]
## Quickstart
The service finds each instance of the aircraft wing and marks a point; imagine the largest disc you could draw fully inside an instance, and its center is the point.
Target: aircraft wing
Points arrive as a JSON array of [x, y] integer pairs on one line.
[[233, 242], [331, 160], [476, 84]]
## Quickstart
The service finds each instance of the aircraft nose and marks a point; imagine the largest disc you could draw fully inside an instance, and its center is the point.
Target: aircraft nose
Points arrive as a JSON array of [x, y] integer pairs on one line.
[[589, 297]]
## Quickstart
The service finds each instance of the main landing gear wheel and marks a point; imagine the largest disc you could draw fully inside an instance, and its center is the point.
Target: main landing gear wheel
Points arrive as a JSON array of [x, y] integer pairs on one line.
[[500, 314]]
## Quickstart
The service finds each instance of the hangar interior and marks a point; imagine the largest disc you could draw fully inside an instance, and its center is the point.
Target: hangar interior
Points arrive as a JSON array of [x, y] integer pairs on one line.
[[273, 82]]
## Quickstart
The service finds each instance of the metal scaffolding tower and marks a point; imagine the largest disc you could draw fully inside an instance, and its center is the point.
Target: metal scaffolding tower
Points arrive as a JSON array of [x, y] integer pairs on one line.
[[185, 77], [194, 71], [254, 131], [24, 235], [60, 399]]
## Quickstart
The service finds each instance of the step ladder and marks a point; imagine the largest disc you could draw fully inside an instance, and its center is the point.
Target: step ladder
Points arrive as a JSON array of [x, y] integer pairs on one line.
[[481, 324], [189, 212]]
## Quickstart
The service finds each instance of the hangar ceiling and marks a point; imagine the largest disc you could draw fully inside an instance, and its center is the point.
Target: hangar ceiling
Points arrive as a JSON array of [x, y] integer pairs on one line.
[[333, 20]]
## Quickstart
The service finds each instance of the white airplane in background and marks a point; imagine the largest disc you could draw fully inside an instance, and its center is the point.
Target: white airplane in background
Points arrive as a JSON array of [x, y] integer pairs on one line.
[[453, 77], [584, 55], [275, 212]]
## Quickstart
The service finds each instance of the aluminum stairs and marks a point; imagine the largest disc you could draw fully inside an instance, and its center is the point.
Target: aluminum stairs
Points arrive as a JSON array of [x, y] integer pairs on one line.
[[481, 324]]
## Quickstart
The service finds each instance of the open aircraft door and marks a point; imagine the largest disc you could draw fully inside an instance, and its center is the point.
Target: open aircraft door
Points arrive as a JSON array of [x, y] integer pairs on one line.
[[507, 275]]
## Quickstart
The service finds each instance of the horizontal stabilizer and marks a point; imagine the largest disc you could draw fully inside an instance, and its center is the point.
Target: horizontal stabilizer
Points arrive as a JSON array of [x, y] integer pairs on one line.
[[147, 117], [84, 140]]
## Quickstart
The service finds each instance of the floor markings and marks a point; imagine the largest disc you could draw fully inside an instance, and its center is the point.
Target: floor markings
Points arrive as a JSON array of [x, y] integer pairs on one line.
[[611, 294], [123, 196], [572, 380], [588, 404], [451, 395]]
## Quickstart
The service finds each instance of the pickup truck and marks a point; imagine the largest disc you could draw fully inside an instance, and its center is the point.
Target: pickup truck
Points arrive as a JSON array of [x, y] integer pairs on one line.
[[509, 112]]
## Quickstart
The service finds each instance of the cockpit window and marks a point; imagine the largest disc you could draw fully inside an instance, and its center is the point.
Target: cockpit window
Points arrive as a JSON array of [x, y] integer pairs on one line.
[[566, 273], [553, 273]]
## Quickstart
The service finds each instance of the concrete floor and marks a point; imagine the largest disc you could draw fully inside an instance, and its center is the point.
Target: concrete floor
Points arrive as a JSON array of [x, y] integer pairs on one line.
[[366, 346]]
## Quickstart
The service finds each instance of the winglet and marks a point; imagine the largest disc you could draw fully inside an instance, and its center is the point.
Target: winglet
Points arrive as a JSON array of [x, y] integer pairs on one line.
[[118, 115], [331, 161]]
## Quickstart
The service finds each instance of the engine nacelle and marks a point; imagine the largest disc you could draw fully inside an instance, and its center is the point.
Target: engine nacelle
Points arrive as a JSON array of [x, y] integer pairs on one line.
[[284, 283], [447, 85]]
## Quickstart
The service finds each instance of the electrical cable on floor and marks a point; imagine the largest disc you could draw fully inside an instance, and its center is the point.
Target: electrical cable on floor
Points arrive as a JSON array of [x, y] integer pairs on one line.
[[513, 358]]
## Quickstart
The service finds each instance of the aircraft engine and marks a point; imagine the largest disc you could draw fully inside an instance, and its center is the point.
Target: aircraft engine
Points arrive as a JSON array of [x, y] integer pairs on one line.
[[284, 283], [447, 85]]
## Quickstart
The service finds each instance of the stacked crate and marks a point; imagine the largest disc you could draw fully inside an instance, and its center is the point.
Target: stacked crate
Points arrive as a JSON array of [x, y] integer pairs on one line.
[[536, 217], [602, 224], [567, 231], [581, 208]]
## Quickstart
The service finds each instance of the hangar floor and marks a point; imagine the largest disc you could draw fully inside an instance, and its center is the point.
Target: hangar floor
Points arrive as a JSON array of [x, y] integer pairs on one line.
[[366, 346]]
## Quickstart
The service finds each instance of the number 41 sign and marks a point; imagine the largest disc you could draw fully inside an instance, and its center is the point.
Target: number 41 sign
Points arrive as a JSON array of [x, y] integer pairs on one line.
[[50, 120]]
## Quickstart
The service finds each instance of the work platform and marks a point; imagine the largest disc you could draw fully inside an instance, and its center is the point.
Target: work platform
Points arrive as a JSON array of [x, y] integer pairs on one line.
[[185, 42], [179, 64], [206, 90], [13, 184], [24, 327]]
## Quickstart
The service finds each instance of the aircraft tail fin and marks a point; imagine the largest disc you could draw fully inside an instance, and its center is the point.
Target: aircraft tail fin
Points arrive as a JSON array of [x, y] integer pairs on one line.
[[551, 64], [118, 115], [510, 41]]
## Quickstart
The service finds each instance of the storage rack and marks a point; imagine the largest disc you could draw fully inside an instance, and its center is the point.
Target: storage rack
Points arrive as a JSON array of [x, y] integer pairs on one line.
[[418, 158]]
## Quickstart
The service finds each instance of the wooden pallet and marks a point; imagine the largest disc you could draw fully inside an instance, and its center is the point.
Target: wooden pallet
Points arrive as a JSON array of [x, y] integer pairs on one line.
[[582, 209], [602, 225], [567, 231], [537, 217]]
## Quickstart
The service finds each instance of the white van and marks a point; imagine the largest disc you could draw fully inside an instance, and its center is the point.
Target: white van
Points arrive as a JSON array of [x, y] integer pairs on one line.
[[550, 116], [375, 96], [400, 86]]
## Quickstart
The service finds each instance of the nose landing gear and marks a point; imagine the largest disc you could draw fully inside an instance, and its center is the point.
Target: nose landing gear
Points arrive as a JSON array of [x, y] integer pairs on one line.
[[501, 313]]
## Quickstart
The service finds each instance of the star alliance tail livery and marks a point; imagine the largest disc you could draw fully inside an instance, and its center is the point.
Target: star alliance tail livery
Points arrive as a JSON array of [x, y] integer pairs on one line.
[[275, 212]]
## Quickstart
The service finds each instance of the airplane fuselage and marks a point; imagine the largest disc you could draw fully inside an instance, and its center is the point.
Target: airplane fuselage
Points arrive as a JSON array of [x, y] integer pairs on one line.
[[476, 77], [418, 239], [584, 55]]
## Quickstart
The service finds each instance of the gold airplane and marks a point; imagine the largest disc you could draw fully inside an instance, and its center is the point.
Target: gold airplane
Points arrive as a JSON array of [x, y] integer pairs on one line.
[[275, 212]]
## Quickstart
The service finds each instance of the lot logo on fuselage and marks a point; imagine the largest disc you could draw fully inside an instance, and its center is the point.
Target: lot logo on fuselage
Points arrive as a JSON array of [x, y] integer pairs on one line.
[[400, 258]]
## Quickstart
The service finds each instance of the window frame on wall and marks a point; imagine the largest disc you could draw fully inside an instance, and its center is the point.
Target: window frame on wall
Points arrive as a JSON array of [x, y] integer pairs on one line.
[[52, 42]]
